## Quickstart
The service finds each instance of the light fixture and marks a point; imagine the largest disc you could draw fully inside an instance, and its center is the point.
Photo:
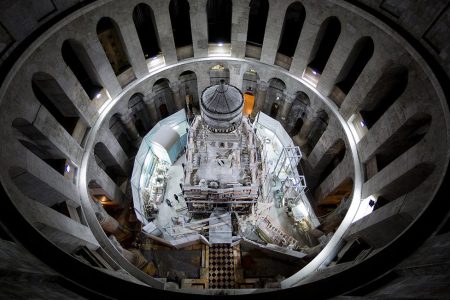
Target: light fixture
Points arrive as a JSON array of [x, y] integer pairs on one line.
[[67, 168], [314, 72], [98, 95], [362, 123], [220, 44]]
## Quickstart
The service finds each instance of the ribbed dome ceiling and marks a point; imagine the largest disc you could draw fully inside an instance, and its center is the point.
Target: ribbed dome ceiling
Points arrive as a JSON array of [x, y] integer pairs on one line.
[[222, 99]]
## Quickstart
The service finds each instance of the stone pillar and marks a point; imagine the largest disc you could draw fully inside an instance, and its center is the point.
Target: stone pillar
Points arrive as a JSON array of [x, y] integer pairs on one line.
[[133, 47], [337, 60], [199, 27], [287, 105], [305, 45], [151, 107], [165, 33], [301, 137], [272, 35], [239, 27], [108, 223], [102, 65], [132, 132], [177, 97], [260, 97]]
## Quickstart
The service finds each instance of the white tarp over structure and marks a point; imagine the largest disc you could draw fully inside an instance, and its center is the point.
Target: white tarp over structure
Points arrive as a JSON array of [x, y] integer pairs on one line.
[[274, 128], [164, 144], [146, 159]]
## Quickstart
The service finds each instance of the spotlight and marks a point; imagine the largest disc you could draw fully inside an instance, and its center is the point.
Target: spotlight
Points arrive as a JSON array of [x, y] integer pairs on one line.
[[67, 168], [98, 95], [314, 72], [220, 44], [362, 123]]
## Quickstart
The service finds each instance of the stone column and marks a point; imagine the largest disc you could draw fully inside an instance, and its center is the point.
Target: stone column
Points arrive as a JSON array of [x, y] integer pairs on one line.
[[177, 97], [165, 33], [151, 107], [272, 35], [199, 27], [102, 65], [305, 45], [132, 132], [287, 105], [133, 47], [260, 97], [239, 27], [301, 137]]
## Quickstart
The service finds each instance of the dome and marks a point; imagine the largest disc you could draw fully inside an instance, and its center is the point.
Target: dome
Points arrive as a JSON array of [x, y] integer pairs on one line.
[[222, 99], [221, 107]]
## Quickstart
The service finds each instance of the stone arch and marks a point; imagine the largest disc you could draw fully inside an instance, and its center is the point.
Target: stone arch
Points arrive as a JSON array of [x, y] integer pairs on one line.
[[163, 96], [76, 57], [219, 20], [189, 88], [144, 21], [358, 58], [318, 127], [119, 131], [106, 161], [50, 94], [409, 134], [298, 113], [111, 39], [37, 143], [139, 113], [324, 44], [181, 22], [257, 19], [290, 34], [388, 88]]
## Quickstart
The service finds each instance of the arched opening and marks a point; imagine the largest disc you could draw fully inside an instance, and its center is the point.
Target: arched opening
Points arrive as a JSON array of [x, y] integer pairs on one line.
[[275, 93], [181, 28], [218, 73], [163, 96], [274, 110], [332, 207], [404, 138], [259, 9], [140, 115], [386, 90], [249, 86], [330, 160], [144, 21], [108, 163], [298, 113], [318, 127], [404, 184], [297, 127], [189, 91], [36, 189], [99, 194], [37, 143], [219, 21], [354, 65], [163, 111], [323, 46], [54, 99], [290, 33], [120, 133], [76, 57], [111, 39]]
